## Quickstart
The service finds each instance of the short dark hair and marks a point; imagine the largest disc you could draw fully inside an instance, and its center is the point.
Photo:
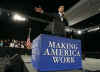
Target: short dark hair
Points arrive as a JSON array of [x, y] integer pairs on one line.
[[38, 6], [60, 6]]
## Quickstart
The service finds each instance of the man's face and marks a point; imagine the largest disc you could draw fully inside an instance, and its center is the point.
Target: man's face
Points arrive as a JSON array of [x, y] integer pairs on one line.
[[61, 9], [39, 10]]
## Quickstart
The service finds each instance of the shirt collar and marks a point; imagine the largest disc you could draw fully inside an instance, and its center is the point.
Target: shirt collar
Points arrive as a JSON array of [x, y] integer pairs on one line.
[[60, 14]]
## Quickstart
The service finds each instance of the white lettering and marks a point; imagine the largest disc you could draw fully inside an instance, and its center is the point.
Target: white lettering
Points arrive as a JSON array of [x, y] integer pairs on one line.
[[53, 44], [63, 59], [55, 60], [58, 45], [63, 45], [54, 52], [61, 52], [46, 52]]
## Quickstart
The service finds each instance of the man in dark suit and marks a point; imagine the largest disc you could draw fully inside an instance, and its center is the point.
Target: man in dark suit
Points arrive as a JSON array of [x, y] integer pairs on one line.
[[39, 22], [58, 24]]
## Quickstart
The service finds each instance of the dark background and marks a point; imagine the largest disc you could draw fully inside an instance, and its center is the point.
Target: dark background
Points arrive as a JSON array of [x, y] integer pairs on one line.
[[10, 29]]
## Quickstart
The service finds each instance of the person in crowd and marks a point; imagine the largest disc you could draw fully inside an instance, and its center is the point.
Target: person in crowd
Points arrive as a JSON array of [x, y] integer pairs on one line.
[[16, 44], [1, 43], [22, 44], [6, 43], [12, 44]]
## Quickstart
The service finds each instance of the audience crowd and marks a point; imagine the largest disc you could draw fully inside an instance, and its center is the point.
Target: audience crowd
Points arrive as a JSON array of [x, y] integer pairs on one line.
[[13, 43]]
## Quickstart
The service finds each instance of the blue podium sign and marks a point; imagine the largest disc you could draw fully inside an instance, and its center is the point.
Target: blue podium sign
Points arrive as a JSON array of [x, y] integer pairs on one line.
[[50, 53]]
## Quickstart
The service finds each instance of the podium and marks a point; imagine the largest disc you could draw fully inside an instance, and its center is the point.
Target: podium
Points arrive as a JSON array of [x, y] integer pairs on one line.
[[53, 53]]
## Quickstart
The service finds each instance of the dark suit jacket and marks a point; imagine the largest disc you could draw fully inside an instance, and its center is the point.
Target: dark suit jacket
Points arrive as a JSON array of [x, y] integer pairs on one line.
[[37, 25], [56, 27]]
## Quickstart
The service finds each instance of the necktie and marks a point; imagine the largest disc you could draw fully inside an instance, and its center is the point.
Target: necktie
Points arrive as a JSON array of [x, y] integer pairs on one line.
[[61, 17]]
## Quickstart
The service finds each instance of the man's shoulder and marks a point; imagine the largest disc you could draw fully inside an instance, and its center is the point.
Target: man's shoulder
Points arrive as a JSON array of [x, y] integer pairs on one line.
[[54, 14], [57, 15]]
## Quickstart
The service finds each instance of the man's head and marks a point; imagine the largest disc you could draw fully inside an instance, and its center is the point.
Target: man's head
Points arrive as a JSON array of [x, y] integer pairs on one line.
[[38, 9], [61, 9]]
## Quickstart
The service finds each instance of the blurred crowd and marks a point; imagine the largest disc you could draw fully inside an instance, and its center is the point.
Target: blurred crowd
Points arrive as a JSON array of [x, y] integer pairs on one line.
[[13, 43]]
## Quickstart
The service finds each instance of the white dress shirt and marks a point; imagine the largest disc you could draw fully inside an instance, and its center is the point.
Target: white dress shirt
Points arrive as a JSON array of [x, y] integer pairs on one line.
[[61, 16]]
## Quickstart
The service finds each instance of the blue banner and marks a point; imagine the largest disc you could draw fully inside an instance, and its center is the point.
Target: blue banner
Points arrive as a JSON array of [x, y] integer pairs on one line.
[[50, 53]]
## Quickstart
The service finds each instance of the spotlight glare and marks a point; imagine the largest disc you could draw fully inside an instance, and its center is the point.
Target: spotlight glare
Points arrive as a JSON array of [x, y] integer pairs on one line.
[[79, 32], [68, 30], [93, 29], [18, 17]]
